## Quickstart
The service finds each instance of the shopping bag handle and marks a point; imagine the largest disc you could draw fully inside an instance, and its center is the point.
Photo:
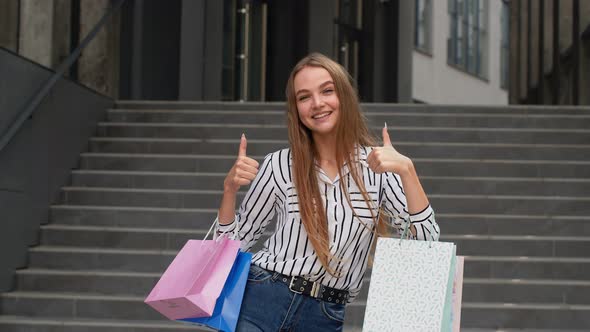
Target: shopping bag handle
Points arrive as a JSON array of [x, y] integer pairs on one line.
[[210, 229], [406, 233], [213, 226]]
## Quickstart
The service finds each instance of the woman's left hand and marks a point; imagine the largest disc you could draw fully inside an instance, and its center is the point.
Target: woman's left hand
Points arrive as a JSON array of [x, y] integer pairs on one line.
[[387, 159]]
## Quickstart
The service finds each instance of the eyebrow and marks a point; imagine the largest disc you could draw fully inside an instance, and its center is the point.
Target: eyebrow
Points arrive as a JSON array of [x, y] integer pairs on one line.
[[321, 86]]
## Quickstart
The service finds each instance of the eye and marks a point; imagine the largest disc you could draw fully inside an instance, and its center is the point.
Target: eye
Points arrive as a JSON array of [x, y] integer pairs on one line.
[[328, 90], [302, 98]]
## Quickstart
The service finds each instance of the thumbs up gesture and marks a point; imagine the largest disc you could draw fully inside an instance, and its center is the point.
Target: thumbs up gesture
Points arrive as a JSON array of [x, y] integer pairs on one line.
[[244, 170], [386, 158]]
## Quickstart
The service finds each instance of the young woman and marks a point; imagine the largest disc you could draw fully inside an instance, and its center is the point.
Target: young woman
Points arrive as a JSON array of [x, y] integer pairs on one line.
[[330, 192]]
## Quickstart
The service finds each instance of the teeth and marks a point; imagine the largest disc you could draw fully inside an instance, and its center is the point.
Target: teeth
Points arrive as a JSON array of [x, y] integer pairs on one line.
[[321, 115]]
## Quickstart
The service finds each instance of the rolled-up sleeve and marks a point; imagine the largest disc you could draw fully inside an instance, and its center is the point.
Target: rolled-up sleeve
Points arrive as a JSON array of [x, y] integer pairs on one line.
[[395, 204]]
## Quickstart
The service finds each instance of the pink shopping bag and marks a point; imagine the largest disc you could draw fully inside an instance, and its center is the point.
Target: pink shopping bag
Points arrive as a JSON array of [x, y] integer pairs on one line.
[[457, 294], [193, 281]]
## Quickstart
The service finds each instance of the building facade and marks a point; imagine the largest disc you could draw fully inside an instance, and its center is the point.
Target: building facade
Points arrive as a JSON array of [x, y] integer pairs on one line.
[[458, 54], [439, 52], [550, 52]]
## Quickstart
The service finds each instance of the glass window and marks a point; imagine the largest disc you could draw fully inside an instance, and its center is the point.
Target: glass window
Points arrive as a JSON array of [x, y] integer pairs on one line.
[[467, 43], [423, 29]]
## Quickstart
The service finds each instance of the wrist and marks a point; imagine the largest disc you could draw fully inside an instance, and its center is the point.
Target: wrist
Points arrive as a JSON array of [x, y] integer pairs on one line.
[[229, 189], [224, 221], [408, 167]]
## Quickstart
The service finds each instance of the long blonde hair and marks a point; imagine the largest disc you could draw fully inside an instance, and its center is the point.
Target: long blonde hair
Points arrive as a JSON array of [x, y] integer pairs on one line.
[[351, 133]]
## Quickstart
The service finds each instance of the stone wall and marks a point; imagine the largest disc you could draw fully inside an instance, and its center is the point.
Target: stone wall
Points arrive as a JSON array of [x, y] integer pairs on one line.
[[36, 31], [98, 65]]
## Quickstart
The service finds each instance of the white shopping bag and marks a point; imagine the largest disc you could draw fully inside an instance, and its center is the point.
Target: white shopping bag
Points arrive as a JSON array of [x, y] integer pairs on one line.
[[411, 286]]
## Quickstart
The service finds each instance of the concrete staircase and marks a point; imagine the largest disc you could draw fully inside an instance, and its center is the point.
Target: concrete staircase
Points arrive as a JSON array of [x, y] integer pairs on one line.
[[510, 185]]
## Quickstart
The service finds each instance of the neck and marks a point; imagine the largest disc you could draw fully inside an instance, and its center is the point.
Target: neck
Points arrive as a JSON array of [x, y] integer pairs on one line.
[[325, 147]]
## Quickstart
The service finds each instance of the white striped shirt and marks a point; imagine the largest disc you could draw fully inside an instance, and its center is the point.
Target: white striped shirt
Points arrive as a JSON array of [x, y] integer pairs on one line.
[[289, 251]]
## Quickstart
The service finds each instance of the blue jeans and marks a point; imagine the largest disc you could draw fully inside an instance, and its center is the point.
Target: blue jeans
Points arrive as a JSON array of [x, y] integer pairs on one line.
[[269, 306]]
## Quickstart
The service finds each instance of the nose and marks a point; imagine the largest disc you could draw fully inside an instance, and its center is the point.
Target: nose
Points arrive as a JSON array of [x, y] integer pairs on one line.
[[317, 100]]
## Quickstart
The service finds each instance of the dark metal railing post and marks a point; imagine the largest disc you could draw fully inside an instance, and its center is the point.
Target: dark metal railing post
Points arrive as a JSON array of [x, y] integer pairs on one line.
[[529, 62], [518, 89], [541, 83], [556, 52], [576, 53], [74, 36]]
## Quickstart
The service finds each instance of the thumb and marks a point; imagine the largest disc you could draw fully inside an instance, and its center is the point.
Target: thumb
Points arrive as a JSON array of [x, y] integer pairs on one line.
[[386, 140], [243, 145]]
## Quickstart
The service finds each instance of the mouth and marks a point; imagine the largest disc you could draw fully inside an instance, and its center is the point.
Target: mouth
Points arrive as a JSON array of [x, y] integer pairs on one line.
[[321, 115]]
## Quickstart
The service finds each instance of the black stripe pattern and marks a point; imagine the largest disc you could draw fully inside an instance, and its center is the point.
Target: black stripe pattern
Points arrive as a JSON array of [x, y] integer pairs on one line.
[[289, 251]]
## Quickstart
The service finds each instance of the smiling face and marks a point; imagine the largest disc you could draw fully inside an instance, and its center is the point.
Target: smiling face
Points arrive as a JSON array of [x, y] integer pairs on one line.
[[318, 105]]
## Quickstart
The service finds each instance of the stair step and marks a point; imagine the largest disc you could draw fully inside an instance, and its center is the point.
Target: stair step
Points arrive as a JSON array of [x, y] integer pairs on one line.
[[95, 282], [174, 239], [129, 216], [372, 107], [394, 118], [140, 284], [106, 312], [532, 291], [119, 237], [198, 105], [500, 224], [577, 152], [507, 224], [143, 260], [402, 134], [518, 245], [518, 330], [82, 258], [87, 306], [78, 305], [547, 316], [506, 316], [527, 267], [426, 167], [62, 235], [45, 324], [148, 180], [170, 198], [166, 198], [432, 184], [517, 204], [505, 185]]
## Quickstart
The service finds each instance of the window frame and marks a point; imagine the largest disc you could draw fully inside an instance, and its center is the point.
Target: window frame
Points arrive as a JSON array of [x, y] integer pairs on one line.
[[423, 22], [467, 43]]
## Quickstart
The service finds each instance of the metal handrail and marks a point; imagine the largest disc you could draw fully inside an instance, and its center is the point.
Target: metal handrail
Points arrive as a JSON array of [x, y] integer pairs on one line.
[[34, 102]]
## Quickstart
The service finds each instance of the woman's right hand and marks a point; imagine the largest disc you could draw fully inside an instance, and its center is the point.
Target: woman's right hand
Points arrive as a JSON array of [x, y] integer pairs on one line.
[[243, 172]]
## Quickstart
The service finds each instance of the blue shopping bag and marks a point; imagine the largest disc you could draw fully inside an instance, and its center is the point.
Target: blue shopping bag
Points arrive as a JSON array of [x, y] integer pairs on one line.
[[227, 308]]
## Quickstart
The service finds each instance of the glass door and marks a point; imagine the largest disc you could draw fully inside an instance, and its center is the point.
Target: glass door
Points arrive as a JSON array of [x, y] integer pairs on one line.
[[348, 27], [245, 34]]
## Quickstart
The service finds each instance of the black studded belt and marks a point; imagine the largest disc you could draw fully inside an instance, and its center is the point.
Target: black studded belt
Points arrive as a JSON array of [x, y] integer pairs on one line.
[[316, 290]]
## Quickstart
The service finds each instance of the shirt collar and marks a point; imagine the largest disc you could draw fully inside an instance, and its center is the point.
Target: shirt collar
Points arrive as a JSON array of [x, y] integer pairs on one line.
[[360, 157]]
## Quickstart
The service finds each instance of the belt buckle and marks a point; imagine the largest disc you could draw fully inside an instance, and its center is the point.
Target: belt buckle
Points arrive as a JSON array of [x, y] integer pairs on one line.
[[315, 290], [291, 286]]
